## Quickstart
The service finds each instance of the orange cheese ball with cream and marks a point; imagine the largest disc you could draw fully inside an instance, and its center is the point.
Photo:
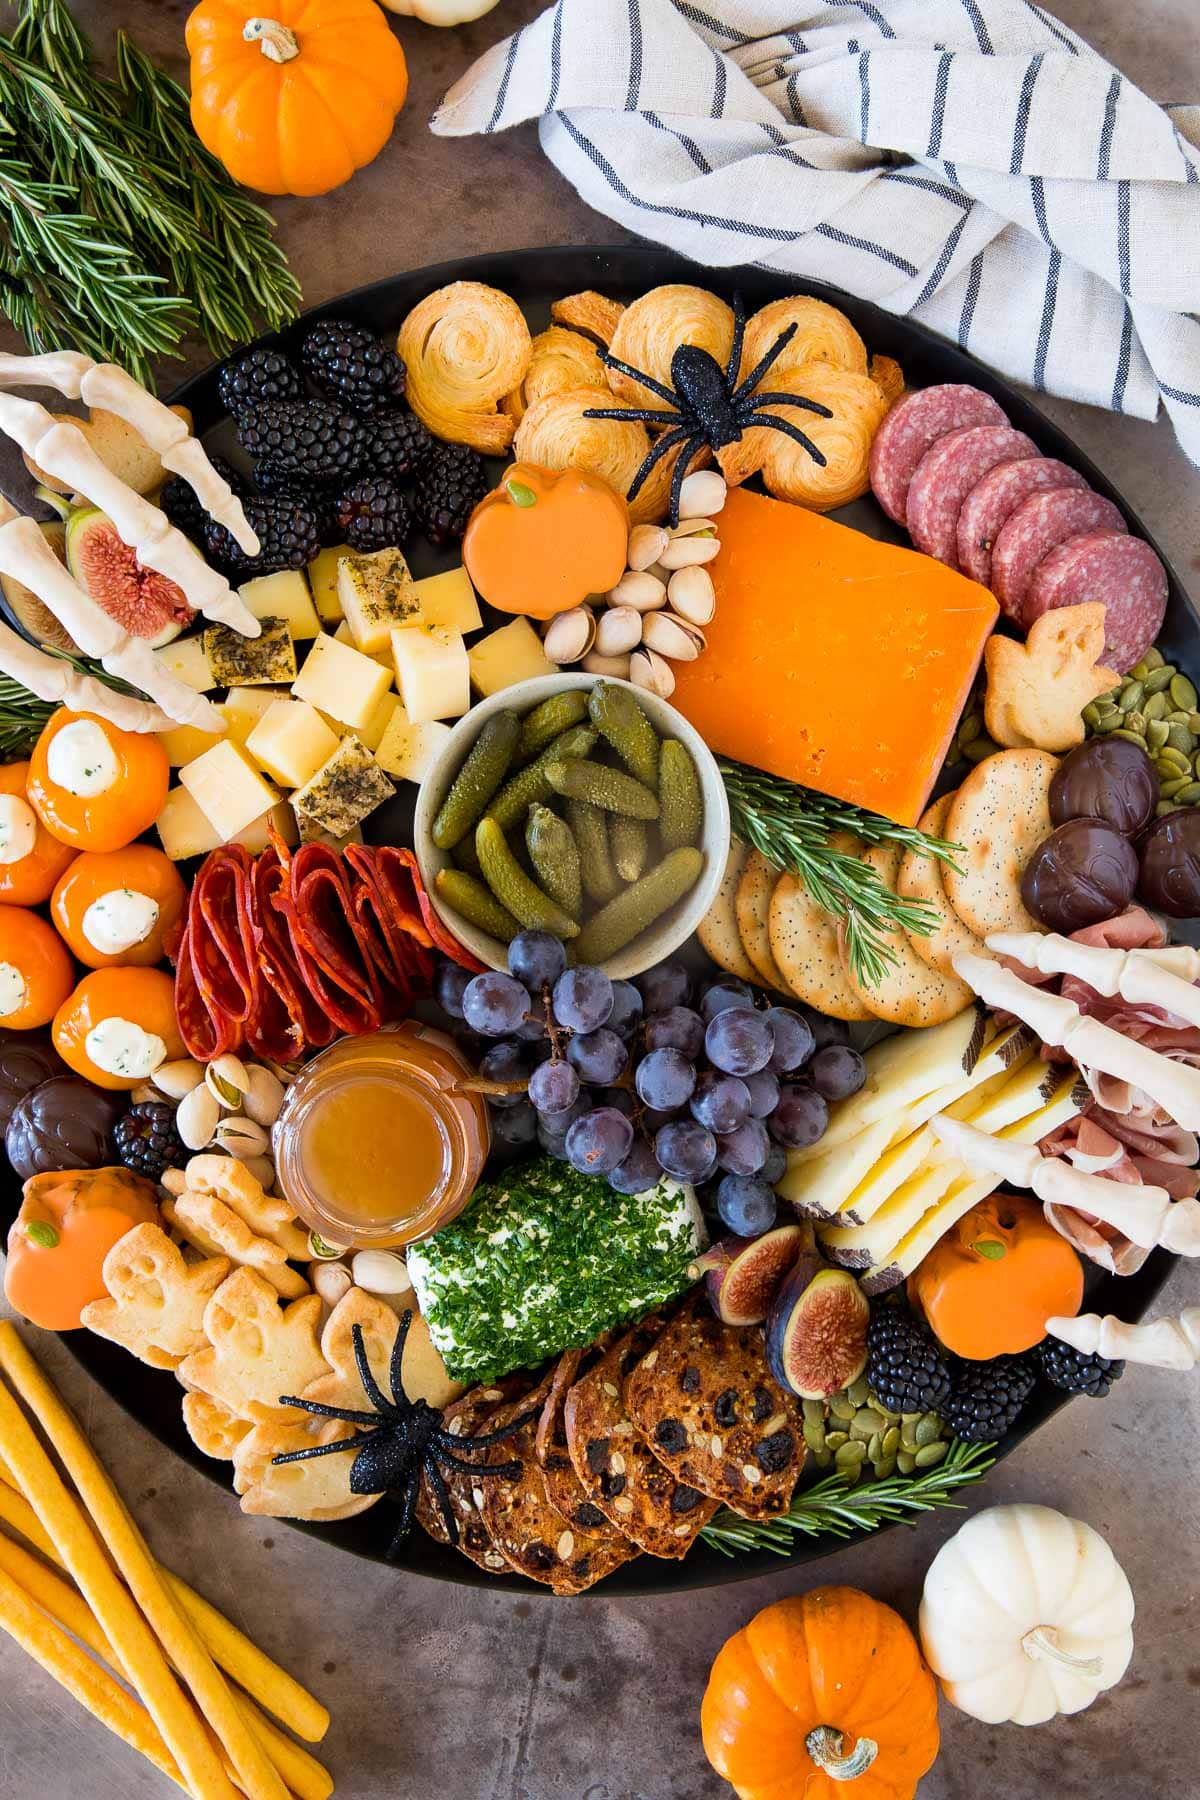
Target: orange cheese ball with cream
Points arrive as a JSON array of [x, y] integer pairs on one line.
[[94, 786], [31, 861], [118, 906], [118, 1026], [36, 971]]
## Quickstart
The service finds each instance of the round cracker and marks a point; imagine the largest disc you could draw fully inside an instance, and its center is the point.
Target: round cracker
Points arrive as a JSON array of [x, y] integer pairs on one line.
[[752, 903], [718, 930], [804, 943], [910, 991], [920, 878], [1000, 815]]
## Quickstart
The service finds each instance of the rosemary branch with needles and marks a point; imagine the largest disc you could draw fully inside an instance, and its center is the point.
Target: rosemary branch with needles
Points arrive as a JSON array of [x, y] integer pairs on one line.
[[792, 826], [22, 714], [833, 1508]]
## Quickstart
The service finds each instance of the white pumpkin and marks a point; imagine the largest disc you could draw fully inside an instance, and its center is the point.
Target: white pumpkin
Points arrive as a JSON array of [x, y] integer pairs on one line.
[[440, 12], [1025, 1614]]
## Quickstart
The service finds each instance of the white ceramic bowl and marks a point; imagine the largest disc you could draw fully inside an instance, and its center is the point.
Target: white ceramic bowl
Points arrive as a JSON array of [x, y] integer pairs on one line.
[[667, 932]]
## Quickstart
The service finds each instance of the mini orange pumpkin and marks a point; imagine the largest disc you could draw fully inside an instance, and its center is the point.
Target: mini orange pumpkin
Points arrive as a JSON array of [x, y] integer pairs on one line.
[[141, 997], [823, 1696], [36, 971], [988, 1287], [27, 879], [59, 1239], [105, 818], [544, 540], [96, 880], [295, 102]]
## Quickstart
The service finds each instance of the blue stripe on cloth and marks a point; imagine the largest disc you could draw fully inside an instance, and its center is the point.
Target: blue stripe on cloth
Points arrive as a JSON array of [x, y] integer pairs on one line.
[[1047, 325], [506, 77], [555, 57], [864, 87], [856, 243], [979, 27], [907, 178], [875, 16], [708, 23], [1123, 235], [952, 171], [635, 56], [1052, 27], [1023, 107], [720, 86], [784, 149], [1179, 394], [689, 144], [970, 299], [793, 100], [1038, 190], [1108, 128], [796, 40], [1122, 375], [943, 261], [941, 85]]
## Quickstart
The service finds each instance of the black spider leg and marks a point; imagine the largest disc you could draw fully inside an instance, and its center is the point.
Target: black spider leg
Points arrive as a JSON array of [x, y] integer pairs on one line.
[[509, 1470], [789, 430], [694, 443], [493, 1437], [812, 406], [760, 368], [351, 1443], [441, 1494], [330, 1412], [735, 349], [371, 1387], [408, 1505], [643, 380], [634, 415], [665, 444]]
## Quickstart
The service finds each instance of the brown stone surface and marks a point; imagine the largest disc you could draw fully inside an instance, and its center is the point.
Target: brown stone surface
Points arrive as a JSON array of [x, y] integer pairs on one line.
[[442, 1693]]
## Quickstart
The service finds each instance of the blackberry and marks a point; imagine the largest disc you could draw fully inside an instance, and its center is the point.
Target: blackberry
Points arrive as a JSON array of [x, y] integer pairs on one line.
[[906, 1366], [288, 531], [373, 515], [986, 1398], [182, 507], [313, 438], [259, 375], [146, 1139], [348, 362], [400, 444], [1065, 1367], [317, 496], [449, 487]]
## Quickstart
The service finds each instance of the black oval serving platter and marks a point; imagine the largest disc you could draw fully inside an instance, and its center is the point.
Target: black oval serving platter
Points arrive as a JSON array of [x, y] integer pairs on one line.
[[534, 278]]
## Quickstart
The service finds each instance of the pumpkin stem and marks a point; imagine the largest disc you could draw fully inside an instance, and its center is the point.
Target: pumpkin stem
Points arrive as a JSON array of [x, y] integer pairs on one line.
[[824, 1745], [277, 42], [1041, 1645]]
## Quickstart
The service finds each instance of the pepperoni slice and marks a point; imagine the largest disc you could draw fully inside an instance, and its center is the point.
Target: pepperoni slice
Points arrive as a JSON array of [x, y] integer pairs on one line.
[[995, 499], [916, 422], [289, 1017], [404, 883], [333, 960], [205, 1032], [1038, 526], [944, 477]]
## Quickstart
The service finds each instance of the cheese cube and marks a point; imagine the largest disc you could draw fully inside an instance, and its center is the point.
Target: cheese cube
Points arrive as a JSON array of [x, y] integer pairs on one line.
[[312, 833], [504, 657], [256, 836], [239, 661], [375, 593], [409, 751], [183, 830], [372, 733], [184, 743], [291, 741], [432, 672], [348, 785], [322, 579], [228, 789], [448, 599], [186, 658], [383, 657], [283, 596], [244, 707], [342, 681]]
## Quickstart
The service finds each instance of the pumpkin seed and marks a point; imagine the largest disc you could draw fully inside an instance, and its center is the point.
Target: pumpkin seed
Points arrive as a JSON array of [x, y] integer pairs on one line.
[[1106, 723], [1183, 693], [1153, 659], [835, 1440], [1131, 737], [1091, 714], [859, 1392], [814, 1412], [814, 1435], [823, 1458], [979, 749], [850, 1456], [875, 1448], [908, 1438], [862, 1433], [884, 1467], [1157, 707], [1157, 731], [1156, 680], [1180, 738], [891, 1441], [928, 1429], [1131, 696], [1166, 806], [1136, 722], [1193, 722], [842, 1407], [1172, 760], [1168, 790], [1188, 795], [930, 1455], [906, 1462], [971, 726]]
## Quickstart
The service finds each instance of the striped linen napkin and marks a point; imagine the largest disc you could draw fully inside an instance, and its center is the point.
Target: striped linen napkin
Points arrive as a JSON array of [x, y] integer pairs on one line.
[[971, 162]]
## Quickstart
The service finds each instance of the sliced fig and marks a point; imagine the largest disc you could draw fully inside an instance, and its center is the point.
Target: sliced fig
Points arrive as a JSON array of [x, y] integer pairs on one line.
[[33, 615], [816, 1332], [51, 497], [741, 1275], [146, 604]]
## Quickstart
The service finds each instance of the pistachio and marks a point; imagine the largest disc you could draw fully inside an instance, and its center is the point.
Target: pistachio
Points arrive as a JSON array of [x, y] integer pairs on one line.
[[380, 1272], [262, 1169], [680, 553], [144, 1092], [241, 1137], [703, 491], [688, 528], [196, 1118], [619, 631], [646, 545], [263, 1099], [332, 1280], [322, 1249], [641, 589], [570, 635], [616, 666], [670, 638], [652, 672], [227, 1081], [697, 633], [177, 1079], [692, 595]]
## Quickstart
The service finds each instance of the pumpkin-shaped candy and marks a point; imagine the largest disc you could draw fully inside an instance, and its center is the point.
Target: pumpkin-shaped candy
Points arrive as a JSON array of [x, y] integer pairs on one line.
[[823, 1696], [989, 1285], [67, 1224], [1026, 1614], [544, 540]]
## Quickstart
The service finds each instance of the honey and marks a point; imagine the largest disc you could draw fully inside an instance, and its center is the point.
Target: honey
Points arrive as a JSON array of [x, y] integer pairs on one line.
[[378, 1143]]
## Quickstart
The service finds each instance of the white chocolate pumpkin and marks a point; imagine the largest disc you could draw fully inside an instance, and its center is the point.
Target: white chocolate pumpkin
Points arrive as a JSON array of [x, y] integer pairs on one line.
[[1025, 1614]]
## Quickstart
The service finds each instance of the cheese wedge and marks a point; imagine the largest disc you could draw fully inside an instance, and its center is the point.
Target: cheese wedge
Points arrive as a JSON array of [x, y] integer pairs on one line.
[[820, 1188]]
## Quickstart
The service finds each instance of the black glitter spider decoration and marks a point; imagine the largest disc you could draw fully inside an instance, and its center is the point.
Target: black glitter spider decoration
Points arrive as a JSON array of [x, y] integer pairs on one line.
[[401, 1440], [709, 406]]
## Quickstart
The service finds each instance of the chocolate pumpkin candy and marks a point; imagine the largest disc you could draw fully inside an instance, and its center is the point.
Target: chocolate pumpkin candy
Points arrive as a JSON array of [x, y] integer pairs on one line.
[[544, 540], [988, 1287], [59, 1239]]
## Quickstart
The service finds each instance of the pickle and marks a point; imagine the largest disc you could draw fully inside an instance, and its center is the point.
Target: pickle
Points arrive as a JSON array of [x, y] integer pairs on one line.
[[555, 858], [512, 886], [589, 828], [617, 714], [476, 903], [630, 840], [530, 785], [484, 769], [607, 788], [463, 854], [548, 721], [681, 807], [618, 923]]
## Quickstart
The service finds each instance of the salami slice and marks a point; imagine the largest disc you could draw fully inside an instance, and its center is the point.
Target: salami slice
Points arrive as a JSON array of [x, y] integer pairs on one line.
[[1120, 571], [398, 871], [1038, 526], [995, 499], [915, 423], [332, 958], [289, 1018], [944, 477]]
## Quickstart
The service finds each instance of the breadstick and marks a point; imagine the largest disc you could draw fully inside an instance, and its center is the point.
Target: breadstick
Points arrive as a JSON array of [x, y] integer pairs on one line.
[[256, 1773], [307, 1778]]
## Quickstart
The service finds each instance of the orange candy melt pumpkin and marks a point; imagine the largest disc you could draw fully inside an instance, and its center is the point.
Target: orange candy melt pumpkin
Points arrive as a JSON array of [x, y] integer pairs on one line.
[[59, 1239], [100, 787], [28, 871], [542, 541], [107, 894], [991, 1283], [36, 971], [824, 1696], [140, 998]]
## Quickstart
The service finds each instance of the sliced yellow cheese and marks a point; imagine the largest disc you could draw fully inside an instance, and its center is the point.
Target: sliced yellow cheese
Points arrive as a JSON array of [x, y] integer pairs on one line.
[[407, 750], [375, 594], [820, 1188], [322, 579], [228, 789], [291, 741], [184, 743], [448, 599], [432, 672], [183, 830], [340, 680], [187, 659], [244, 707], [284, 595], [513, 653]]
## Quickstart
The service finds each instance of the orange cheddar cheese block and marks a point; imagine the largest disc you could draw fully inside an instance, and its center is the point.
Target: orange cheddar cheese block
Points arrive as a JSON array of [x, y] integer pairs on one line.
[[834, 660]]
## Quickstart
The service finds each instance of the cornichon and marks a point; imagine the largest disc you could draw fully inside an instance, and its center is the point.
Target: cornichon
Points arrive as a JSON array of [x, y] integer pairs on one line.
[[616, 713], [555, 858], [550, 720], [630, 840], [589, 828], [531, 785], [486, 766], [606, 788], [513, 888], [464, 854], [681, 809], [618, 923], [476, 903]]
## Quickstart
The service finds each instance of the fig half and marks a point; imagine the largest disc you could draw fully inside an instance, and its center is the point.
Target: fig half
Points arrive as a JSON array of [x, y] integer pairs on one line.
[[144, 603], [33, 615], [816, 1332], [742, 1275]]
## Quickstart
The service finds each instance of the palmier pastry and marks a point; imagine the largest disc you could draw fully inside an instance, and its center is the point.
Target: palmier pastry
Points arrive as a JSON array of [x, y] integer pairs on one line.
[[858, 407], [887, 374], [554, 434], [466, 346], [823, 334], [593, 314], [561, 360], [650, 331]]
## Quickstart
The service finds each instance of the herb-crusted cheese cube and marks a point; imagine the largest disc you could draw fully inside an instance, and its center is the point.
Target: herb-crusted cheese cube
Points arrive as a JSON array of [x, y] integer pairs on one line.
[[383, 657], [228, 789], [448, 599], [183, 830], [186, 658], [244, 707], [375, 593], [312, 833], [322, 579], [348, 785], [504, 657], [284, 595], [409, 751], [184, 743], [239, 661], [341, 681], [291, 741], [432, 672]]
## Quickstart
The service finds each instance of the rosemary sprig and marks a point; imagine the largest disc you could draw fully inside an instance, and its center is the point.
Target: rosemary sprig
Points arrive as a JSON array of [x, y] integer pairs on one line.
[[22, 716], [835, 1509], [792, 827]]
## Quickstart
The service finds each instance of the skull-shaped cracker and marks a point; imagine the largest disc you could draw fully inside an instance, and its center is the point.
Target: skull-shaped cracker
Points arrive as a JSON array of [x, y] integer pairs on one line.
[[208, 1224], [257, 1348], [424, 1373], [1036, 691], [212, 1426], [318, 1488], [156, 1300], [232, 1182]]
